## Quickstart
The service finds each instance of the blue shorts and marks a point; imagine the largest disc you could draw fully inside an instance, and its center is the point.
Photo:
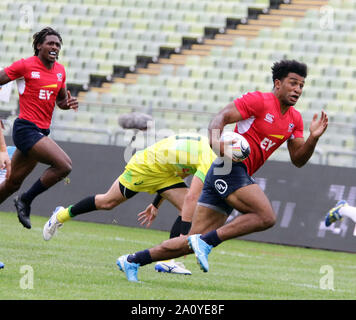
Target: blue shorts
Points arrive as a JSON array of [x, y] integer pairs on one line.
[[26, 134], [217, 187]]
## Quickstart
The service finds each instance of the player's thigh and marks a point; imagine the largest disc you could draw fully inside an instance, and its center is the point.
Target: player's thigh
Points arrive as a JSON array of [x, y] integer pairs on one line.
[[21, 167], [250, 199], [206, 219], [49, 152], [175, 196], [112, 197]]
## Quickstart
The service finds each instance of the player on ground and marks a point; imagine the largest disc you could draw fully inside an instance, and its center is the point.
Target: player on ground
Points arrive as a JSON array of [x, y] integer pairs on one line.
[[341, 209], [41, 84], [5, 162], [159, 168], [266, 120]]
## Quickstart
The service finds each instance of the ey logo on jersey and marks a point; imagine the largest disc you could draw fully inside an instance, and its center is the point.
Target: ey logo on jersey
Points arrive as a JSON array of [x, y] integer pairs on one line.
[[267, 143], [46, 94]]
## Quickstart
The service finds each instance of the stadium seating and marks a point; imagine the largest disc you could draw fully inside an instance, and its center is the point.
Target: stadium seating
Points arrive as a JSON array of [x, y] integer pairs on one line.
[[185, 90]]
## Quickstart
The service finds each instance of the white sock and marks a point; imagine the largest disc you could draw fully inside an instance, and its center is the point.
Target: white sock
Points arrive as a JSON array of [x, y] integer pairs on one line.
[[348, 211]]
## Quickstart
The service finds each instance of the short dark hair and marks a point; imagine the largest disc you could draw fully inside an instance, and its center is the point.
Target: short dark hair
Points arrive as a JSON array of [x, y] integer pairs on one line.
[[39, 37], [281, 69]]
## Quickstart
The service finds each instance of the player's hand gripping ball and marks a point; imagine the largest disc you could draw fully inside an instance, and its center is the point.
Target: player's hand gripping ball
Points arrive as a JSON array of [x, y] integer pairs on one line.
[[238, 151]]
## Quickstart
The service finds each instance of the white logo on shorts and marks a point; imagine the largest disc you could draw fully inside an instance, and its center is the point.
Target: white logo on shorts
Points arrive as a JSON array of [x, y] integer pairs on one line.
[[220, 186]]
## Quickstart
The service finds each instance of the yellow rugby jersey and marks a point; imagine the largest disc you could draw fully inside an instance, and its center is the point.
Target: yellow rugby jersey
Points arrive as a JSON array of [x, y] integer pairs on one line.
[[181, 154]]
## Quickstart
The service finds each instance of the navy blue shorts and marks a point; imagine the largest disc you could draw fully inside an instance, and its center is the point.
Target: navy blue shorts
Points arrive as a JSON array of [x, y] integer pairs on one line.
[[26, 134], [218, 186]]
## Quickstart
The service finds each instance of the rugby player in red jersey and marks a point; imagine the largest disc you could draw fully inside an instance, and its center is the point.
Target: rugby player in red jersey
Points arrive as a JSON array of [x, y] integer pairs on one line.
[[41, 85], [266, 120]]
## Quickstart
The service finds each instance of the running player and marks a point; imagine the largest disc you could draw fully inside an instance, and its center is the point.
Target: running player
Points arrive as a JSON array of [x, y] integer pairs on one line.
[[41, 84], [159, 168], [266, 120]]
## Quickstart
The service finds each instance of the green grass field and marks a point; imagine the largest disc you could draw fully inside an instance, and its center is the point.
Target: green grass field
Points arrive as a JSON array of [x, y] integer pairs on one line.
[[80, 263]]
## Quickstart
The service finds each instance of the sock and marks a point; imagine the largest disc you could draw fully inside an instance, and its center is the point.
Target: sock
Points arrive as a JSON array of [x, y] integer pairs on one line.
[[211, 238], [185, 227], [83, 206], [140, 257], [36, 189], [64, 215], [175, 231], [348, 211]]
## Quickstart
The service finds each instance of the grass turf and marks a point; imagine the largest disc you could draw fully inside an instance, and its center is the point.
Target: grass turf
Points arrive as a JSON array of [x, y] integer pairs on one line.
[[80, 263]]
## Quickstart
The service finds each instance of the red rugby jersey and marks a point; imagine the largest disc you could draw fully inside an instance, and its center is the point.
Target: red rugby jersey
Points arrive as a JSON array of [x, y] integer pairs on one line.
[[38, 88], [264, 126]]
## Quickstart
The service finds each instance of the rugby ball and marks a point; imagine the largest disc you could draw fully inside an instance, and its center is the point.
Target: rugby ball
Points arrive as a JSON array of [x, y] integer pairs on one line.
[[237, 151]]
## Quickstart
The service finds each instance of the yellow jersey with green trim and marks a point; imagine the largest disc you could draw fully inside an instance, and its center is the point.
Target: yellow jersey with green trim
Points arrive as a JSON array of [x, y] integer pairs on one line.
[[181, 155]]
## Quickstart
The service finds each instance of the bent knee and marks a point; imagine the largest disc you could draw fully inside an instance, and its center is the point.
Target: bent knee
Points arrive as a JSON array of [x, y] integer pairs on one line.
[[102, 203], [64, 168], [268, 220]]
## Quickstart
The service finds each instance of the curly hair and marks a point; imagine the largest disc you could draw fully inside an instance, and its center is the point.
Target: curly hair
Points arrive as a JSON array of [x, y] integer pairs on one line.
[[281, 69], [39, 37]]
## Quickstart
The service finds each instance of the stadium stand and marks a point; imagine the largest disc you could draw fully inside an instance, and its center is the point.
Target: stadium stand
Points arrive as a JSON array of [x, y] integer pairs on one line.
[[182, 61]]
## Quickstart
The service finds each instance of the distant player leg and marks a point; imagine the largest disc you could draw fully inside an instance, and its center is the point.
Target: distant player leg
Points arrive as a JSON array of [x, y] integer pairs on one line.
[[112, 198], [22, 166], [349, 211], [341, 209], [175, 195], [48, 152], [45, 151]]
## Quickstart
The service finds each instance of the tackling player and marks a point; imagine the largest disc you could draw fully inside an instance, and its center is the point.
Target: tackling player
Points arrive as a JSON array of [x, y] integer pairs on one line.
[[266, 120], [41, 85], [159, 168]]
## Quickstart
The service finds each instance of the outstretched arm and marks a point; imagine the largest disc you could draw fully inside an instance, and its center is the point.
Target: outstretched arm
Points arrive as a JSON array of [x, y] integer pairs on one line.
[[4, 78], [300, 151], [149, 214]]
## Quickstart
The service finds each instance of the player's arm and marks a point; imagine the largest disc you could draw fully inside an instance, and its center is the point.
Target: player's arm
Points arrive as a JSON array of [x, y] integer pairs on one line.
[[65, 100], [227, 115], [190, 203], [300, 151], [4, 78]]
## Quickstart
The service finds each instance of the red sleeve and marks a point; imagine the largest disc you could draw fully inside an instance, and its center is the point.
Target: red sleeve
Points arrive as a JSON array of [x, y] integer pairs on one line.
[[299, 128], [16, 70], [250, 104]]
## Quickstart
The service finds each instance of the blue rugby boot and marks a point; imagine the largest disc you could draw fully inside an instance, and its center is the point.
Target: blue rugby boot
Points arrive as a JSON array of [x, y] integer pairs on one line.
[[129, 268], [201, 250]]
